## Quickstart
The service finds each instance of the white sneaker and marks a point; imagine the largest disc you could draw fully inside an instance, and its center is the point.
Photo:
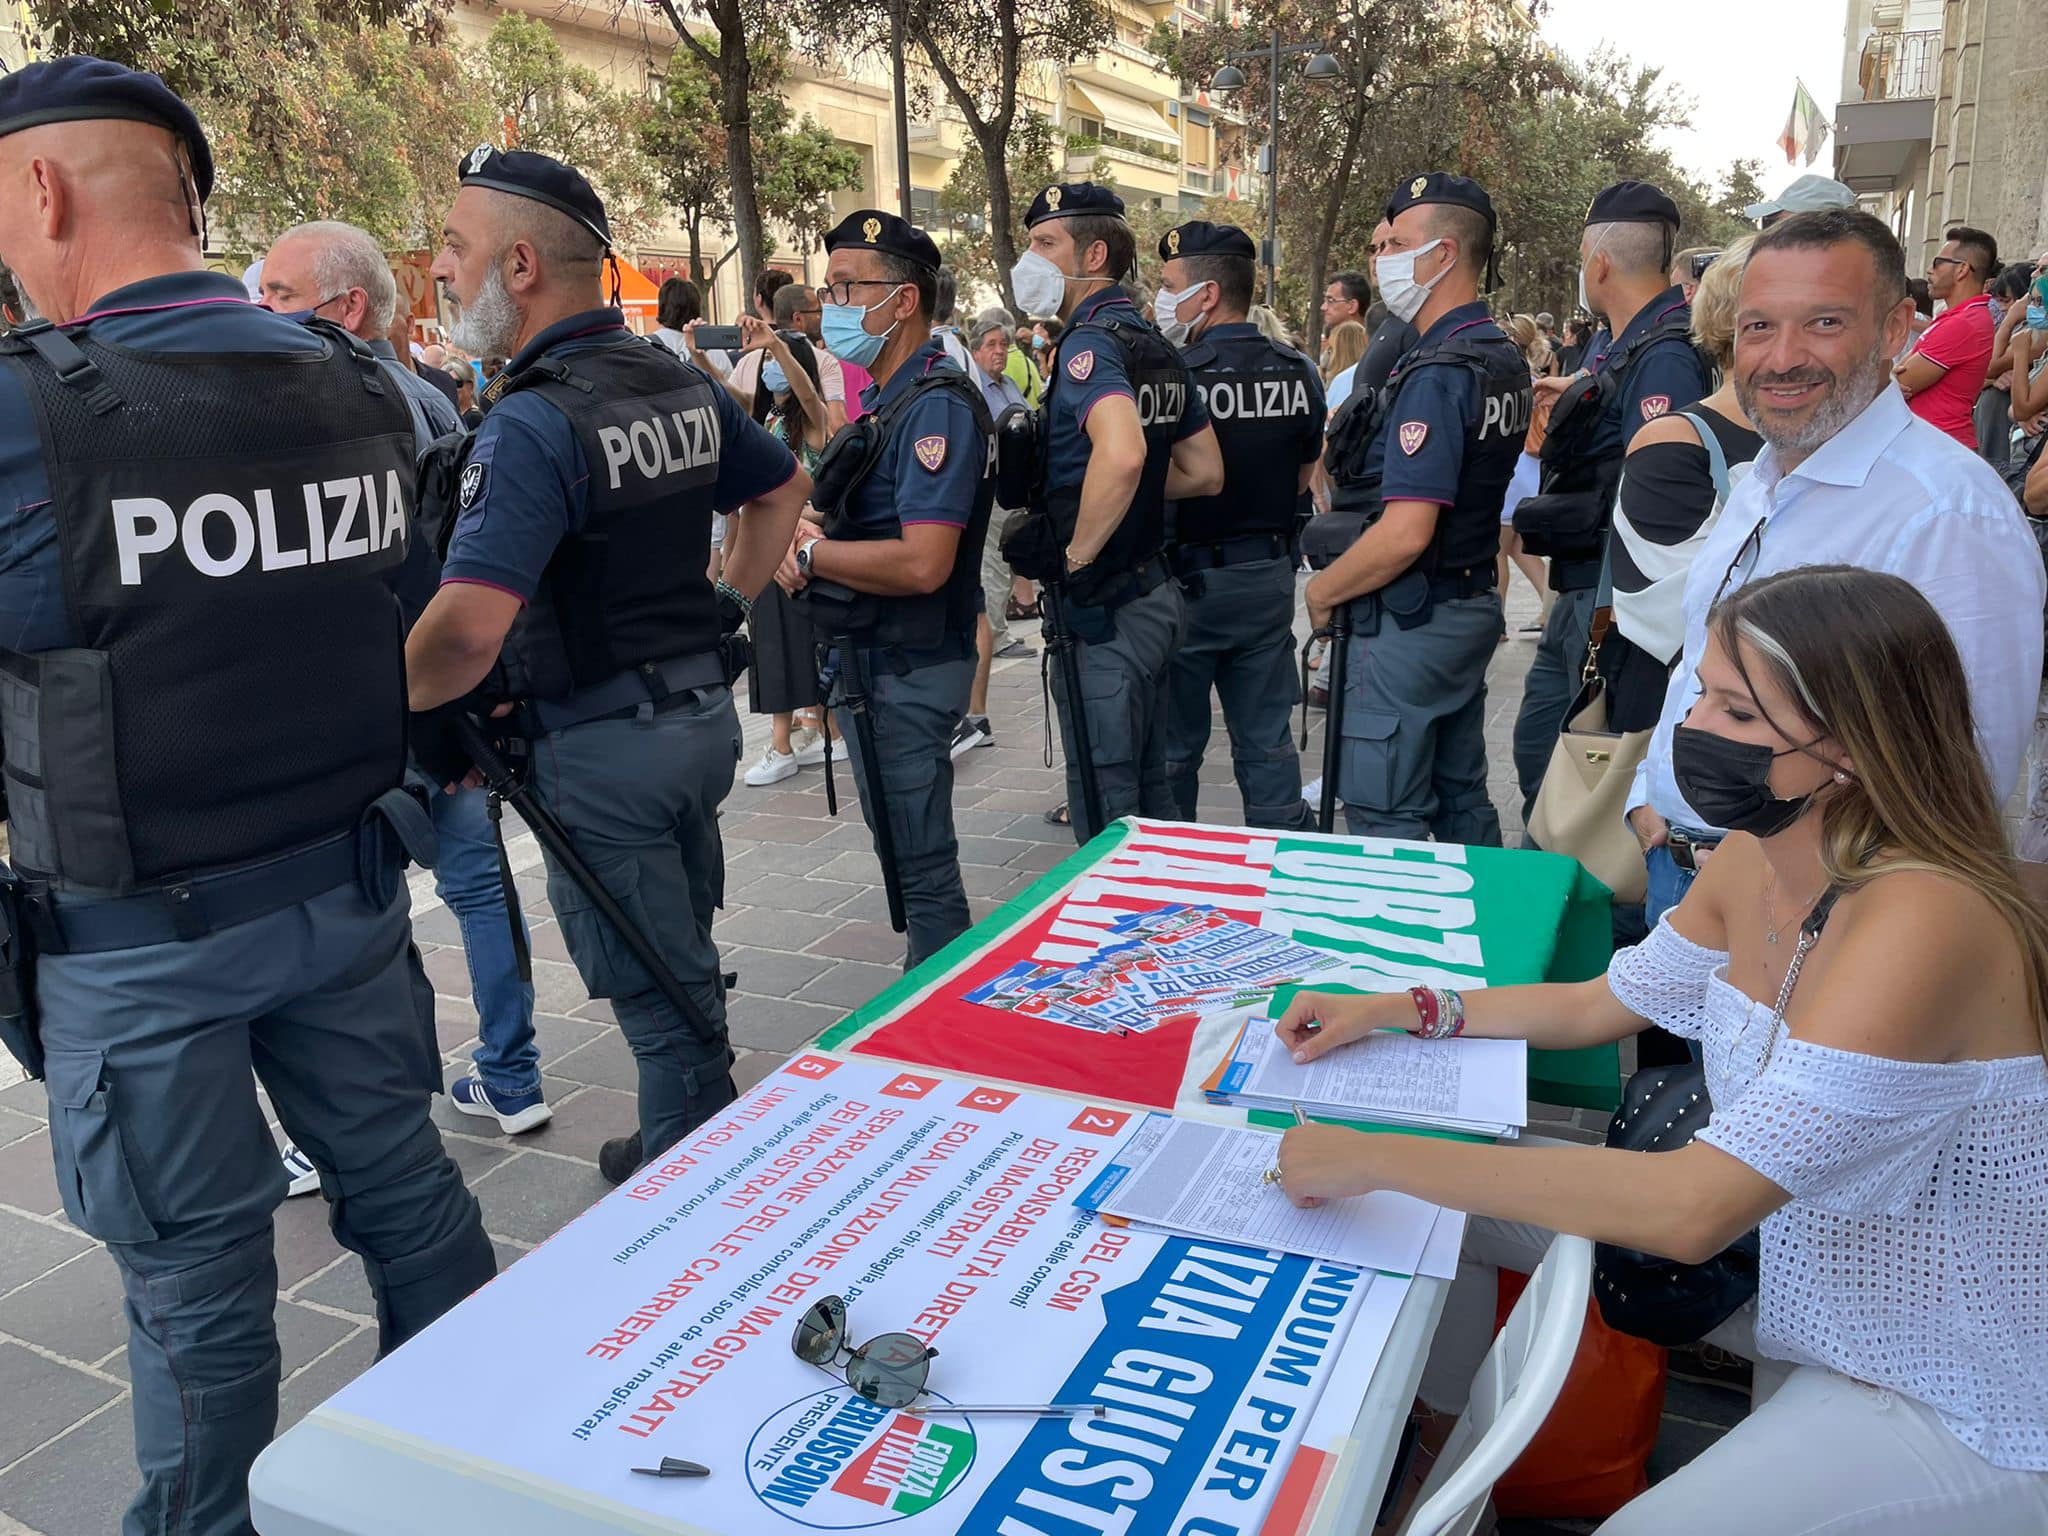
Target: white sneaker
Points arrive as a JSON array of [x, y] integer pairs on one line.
[[773, 768], [1312, 792], [305, 1178], [811, 754]]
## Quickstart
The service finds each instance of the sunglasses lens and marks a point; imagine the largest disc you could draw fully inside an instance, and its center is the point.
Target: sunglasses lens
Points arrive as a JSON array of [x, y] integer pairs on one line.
[[820, 1331], [890, 1370]]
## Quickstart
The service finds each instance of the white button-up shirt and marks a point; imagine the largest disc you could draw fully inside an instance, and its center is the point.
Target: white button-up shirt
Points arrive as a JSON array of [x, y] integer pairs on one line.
[[1886, 493]]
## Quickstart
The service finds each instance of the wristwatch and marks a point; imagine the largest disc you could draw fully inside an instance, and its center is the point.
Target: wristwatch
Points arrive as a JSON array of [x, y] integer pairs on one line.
[[803, 558]]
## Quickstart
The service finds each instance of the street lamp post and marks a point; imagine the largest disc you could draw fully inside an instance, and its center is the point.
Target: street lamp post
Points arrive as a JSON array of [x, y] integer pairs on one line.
[[1321, 67]]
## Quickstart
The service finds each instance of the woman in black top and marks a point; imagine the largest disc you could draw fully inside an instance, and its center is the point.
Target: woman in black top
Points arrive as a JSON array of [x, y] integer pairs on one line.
[[1667, 505]]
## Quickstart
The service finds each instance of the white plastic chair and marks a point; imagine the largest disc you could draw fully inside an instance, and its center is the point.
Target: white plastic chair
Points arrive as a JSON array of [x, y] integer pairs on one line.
[[1513, 1392]]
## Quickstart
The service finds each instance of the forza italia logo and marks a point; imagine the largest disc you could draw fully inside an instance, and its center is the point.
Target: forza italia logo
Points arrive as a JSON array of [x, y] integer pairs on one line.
[[835, 1461]]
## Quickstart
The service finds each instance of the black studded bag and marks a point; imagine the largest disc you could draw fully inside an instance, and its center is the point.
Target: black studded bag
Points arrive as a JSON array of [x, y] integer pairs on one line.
[[1662, 1109]]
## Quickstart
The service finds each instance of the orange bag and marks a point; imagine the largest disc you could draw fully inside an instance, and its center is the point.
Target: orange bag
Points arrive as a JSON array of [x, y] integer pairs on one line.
[[1592, 1455]]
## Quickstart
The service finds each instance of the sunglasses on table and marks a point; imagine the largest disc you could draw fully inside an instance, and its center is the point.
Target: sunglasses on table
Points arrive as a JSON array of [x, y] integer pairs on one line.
[[891, 1369]]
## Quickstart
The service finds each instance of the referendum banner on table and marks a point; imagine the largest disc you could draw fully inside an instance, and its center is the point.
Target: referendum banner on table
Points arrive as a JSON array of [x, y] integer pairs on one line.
[[659, 1323], [1402, 914]]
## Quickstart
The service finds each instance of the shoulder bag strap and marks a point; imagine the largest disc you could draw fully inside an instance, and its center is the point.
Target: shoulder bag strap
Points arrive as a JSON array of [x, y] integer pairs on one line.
[[1717, 461]]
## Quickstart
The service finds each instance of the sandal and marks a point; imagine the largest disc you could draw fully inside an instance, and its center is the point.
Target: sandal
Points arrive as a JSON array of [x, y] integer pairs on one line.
[[1057, 816], [1016, 611]]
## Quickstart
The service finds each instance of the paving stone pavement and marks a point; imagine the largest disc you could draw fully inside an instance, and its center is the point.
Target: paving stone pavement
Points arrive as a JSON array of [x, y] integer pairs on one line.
[[806, 929]]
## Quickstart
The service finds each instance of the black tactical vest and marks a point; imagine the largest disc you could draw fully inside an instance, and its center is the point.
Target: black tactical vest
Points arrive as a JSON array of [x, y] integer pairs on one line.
[[1573, 467], [632, 586], [1468, 531], [922, 621], [230, 526], [1160, 381], [1258, 396]]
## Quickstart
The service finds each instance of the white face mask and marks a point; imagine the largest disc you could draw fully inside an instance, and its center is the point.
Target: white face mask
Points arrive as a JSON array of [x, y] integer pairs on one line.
[[1164, 306], [1040, 286], [1403, 296]]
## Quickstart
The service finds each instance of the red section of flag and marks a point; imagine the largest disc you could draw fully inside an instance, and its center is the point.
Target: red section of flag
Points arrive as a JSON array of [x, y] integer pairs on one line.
[[1305, 1477], [853, 1482]]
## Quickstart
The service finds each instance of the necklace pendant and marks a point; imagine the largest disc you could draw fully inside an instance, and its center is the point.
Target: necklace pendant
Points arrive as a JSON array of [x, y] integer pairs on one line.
[[1770, 938]]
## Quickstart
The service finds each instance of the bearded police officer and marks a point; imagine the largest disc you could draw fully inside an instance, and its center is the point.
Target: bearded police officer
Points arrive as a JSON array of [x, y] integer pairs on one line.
[[894, 572], [204, 506], [574, 588], [1424, 617], [1235, 554], [1641, 366], [1123, 432]]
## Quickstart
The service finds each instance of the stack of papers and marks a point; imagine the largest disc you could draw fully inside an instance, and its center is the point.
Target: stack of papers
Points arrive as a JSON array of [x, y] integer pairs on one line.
[[1479, 1086], [1161, 967], [1202, 1180]]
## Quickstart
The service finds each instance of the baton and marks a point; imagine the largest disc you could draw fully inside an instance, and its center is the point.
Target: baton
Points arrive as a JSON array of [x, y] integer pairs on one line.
[[507, 785], [854, 669], [1080, 753], [1333, 717]]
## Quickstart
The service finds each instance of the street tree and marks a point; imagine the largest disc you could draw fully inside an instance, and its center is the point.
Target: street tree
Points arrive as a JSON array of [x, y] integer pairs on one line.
[[800, 165], [684, 141]]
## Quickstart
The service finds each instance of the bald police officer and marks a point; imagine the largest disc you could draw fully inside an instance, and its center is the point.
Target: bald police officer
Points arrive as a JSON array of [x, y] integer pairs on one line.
[[1447, 428], [574, 589], [1124, 431], [894, 571], [1640, 366], [1235, 553], [204, 505]]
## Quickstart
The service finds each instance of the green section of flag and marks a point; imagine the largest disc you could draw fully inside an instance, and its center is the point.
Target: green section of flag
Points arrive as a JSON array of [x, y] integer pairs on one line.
[[958, 1447]]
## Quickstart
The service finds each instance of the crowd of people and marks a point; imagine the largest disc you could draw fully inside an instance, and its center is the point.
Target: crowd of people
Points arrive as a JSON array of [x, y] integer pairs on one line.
[[1755, 497]]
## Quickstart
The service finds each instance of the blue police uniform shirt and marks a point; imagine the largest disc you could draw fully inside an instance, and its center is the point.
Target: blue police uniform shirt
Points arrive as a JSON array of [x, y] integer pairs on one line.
[[1090, 370], [934, 463], [1666, 377], [179, 312], [1419, 452], [535, 482]]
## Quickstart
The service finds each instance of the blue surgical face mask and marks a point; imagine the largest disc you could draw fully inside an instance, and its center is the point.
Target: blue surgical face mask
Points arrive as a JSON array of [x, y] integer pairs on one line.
[[847, 338], [773, 379], [2037, 315]]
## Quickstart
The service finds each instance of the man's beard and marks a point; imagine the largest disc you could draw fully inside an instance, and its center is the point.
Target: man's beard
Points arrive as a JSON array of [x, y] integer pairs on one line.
[[1841, 402], [490, 321]]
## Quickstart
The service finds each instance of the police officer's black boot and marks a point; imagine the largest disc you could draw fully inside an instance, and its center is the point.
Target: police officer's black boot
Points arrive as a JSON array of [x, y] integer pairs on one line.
[[619, 1159]]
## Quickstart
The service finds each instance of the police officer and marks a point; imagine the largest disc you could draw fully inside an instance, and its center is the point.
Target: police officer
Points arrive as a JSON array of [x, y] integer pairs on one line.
[[574, 588], [334, 269], [1235, 554], [1123, 432], [1420, 580], [204, 503], [1641, 366], [893, 574]]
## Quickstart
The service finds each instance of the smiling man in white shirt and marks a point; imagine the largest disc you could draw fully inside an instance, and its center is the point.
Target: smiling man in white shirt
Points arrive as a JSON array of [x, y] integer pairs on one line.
[[1849, 476]]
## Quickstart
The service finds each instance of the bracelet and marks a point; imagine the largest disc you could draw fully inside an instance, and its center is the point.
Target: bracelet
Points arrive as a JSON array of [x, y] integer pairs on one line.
[[727, 589], [1439, 1013]]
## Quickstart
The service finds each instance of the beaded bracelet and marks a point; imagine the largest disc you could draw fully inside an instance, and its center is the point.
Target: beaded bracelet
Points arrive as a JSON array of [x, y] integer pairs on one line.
[[1439, 1013], [727, 589]]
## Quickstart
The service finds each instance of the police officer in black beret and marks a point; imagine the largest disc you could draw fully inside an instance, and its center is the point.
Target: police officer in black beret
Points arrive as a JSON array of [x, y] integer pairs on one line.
[[1419, 582], [1235, 554], [574, 589], [892, 570], [1124, 431], [202, 507], [1641, 365]]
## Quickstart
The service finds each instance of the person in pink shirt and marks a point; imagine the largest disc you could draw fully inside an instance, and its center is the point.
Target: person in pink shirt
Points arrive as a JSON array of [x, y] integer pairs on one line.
[[1943, 374]]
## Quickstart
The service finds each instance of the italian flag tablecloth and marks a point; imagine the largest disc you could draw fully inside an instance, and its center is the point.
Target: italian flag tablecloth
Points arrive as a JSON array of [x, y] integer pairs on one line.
[[1401, 913]]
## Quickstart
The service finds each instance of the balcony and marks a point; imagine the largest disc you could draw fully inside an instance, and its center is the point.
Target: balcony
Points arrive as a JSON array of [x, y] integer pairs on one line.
[[1879, 139]]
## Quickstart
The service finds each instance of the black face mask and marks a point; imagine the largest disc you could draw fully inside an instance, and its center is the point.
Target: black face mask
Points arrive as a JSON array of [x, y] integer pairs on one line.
[[1728, 782]]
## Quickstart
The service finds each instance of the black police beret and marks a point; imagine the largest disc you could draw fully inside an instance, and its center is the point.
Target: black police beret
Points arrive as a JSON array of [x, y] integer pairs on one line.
[[542, 178], [84, 89], [870, 229], [1071, 199], [1440, 187], [1632, 202], [1198, 237]]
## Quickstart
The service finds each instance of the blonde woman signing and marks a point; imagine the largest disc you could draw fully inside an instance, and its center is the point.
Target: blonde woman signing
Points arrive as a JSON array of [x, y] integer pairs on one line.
[[1866, 979]]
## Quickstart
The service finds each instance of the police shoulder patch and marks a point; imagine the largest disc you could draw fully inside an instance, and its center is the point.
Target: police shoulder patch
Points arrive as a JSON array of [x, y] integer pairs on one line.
[[1655, 406], [1080, 365], [472, 484], [1413, 435], [930, 451]]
